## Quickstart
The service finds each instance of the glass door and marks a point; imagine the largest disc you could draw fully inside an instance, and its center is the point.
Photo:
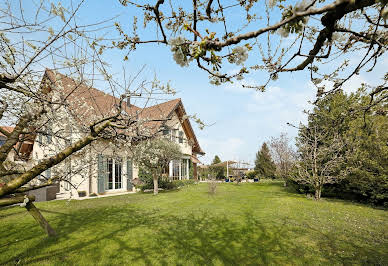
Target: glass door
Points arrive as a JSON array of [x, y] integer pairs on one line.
[[114, 174]]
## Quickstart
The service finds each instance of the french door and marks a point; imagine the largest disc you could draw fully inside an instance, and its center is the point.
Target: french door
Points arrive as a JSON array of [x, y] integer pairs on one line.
[[114, 173]]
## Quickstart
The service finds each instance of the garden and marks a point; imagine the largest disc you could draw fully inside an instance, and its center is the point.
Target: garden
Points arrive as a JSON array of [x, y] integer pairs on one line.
[[249, 223]]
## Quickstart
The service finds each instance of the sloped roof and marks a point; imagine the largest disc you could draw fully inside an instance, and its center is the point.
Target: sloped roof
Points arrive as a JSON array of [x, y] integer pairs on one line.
[[88, 103]]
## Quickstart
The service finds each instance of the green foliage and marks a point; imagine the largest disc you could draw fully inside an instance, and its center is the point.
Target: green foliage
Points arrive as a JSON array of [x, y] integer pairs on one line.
[[363, 130], [216, 160], [264, 166], [218, 172], [162, 184], [182, 183], [252, 174]]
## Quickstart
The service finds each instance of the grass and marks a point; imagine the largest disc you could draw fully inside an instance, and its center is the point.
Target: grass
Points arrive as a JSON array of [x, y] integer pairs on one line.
[[240, 225]]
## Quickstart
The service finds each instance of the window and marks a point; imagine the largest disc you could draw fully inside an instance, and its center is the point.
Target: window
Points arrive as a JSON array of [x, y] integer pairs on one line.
[[114, 173], [175, 169], [2, 141], [49, 132], [174, 135], [166, 131], [184, 168], [180, 137]]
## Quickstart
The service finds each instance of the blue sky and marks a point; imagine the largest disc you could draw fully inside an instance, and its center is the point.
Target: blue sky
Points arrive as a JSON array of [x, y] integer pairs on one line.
[[242, 118]]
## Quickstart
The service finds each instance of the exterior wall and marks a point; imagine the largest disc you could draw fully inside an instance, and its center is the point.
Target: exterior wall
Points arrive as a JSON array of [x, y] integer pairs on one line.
[[83, 164], [176, 127]]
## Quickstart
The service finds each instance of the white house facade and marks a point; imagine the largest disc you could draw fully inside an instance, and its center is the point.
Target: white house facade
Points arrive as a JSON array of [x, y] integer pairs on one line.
[[103, 167]]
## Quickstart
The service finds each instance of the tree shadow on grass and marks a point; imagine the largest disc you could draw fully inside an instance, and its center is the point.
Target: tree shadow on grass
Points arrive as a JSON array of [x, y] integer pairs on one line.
[[128, 235], [206, 239], [92, 225]]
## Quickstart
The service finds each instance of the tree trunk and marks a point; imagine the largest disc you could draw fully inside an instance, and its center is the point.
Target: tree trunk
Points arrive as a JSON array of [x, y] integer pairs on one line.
[[318, 191], [155, 177], [40, 219]]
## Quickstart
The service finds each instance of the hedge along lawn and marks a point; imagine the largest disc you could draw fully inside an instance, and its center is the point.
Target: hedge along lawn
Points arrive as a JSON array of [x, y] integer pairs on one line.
[[241, 224]]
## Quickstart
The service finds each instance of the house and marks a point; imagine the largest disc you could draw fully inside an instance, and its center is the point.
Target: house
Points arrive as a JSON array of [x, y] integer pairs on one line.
[[104, 167]]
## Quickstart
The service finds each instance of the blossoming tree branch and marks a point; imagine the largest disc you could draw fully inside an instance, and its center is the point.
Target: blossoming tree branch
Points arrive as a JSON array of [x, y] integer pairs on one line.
[[274, 36]]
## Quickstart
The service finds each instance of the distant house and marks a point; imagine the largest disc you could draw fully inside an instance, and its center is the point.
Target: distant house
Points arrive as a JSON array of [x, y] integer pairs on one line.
[[102, 167]]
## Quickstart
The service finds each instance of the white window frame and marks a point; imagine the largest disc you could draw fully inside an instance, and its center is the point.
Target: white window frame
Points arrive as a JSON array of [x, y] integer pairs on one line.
[[115, 162]]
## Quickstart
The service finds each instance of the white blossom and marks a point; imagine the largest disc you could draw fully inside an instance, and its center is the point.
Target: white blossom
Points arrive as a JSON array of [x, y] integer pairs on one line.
[[241, 54], [178, 53], [283, 32], [271, 3]]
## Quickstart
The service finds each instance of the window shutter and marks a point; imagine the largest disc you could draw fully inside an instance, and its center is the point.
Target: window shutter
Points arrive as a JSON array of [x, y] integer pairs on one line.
[[129, 174], [49, 137], [48, 173], [101, 174]]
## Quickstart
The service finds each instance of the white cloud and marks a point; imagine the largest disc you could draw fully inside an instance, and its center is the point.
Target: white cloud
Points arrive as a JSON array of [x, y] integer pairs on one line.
[[226, 149]]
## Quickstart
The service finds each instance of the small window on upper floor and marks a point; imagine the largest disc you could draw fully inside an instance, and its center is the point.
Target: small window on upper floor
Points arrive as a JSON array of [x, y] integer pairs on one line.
[[180, 137], [2, 141], [49, 132], [166, 131]]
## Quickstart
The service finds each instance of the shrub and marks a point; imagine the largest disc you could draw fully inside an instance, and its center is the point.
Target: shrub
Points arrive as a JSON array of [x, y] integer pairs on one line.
[[162, 184], [212, 187], [182, 183], [251, 174]]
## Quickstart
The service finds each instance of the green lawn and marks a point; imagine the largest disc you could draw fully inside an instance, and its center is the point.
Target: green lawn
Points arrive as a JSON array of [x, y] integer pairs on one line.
[[240, 225]]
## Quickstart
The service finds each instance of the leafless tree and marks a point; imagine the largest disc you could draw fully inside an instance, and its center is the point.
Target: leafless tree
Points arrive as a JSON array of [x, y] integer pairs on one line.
[[318, 164], [35, 35], [283, 154]]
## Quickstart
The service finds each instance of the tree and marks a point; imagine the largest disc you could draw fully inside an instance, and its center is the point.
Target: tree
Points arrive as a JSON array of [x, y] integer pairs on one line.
[[216, 159], [264, 165], [217, 171], [155, 155], [204, 33], [343, 146], [318, 164], [283, 154], [363, 130], [50, 36]]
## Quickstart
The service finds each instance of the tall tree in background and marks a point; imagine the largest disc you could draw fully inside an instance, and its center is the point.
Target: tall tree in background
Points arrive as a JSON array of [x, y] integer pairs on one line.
[[319, 162], [362, 129], [345, 144], [216, 159], [264, 165], [283, 154], [218, 171]]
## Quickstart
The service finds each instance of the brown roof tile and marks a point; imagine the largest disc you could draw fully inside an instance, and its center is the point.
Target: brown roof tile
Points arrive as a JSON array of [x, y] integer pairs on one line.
[[87, 103]]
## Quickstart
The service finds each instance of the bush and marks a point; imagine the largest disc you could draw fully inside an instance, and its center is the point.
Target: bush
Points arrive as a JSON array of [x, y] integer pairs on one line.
[[251, 174], [182, 183], [162, 184]]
